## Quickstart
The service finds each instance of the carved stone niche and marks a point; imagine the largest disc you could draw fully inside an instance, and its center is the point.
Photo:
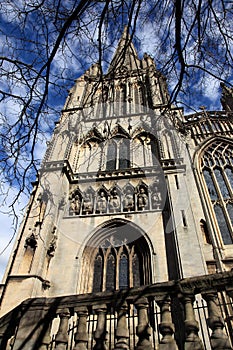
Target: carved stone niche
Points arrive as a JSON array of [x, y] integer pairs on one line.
[[75, 202], [115, 200], [102, 201], [88, 201], [128, 201], [31, 240], [156, 197], [142, 197]]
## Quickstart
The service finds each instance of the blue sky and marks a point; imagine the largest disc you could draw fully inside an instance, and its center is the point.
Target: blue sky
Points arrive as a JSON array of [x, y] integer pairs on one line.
[[28, 37]]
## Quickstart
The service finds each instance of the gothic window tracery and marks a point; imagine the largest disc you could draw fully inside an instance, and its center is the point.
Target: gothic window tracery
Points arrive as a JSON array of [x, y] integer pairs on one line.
[[217, 169], [145, 150], [117, 267]]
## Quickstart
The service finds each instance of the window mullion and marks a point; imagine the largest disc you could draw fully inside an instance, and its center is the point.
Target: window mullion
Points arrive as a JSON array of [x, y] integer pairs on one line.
[[222, 201], [117, 154], [131, 268], [104, 274], [117, 270], [228, 184], [217, 187]]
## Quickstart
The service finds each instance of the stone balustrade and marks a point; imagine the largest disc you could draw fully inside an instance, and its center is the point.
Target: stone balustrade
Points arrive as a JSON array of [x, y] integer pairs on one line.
[[193, 313]]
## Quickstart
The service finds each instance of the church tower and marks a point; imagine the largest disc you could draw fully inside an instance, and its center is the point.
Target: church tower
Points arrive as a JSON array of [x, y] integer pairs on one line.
[[130, 192], [113, 205]]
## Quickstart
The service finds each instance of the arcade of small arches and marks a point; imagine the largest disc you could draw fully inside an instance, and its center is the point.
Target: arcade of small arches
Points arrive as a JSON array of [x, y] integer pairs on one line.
[[121, 151], [115, 200], [131, 94]]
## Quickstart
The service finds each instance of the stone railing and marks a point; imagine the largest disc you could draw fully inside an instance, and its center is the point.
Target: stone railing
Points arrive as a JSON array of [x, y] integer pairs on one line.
[[193, 313]]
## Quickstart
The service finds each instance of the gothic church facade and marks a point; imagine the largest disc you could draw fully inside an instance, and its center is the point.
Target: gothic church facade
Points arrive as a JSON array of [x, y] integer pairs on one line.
[[130, 192]]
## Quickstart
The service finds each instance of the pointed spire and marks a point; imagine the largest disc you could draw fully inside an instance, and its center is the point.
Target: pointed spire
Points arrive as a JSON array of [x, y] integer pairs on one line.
[[125, 54]]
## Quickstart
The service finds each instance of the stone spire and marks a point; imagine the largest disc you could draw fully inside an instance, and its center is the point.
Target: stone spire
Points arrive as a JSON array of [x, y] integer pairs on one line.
[[126, 55]]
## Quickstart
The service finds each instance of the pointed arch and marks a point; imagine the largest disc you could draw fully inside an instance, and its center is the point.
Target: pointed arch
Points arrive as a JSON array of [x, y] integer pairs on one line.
[[118, 150], [89, 156], [111, 155], [119, 248], [145, 149]]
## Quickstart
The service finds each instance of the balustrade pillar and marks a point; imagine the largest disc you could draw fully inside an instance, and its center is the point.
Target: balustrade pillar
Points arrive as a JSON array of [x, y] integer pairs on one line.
[[192, 340], [61, 339], [32, 326], [219, 340], [81, 337], [46, 339], [166, 326], [122, 332], [143, 329], [100, 333]]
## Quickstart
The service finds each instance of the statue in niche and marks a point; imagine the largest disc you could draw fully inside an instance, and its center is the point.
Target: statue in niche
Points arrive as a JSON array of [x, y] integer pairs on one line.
[[87, 203], [142, 200], [128, 202], [114, 202], [101, 204], [75, 205], [155, 199]]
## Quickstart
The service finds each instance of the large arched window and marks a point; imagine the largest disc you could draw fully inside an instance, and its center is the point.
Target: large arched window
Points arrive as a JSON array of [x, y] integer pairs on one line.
[[118, 154], [119, 260], [217, 168]]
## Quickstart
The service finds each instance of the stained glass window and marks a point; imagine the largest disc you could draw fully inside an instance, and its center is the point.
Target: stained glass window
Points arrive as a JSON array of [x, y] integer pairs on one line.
[[221, 183], [136, 271], [226, 236], [110, 272], [217, 169], [230, 211], [98, 267], [124, 154], [118, 268], [111, 156], [123, 272], [229, 174], [210, 185], [118, 154]]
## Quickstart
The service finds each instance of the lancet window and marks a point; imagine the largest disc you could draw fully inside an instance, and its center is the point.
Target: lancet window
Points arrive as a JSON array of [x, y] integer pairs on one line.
[[118, 154], [145, 150], [89, 156], [217, 167]]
